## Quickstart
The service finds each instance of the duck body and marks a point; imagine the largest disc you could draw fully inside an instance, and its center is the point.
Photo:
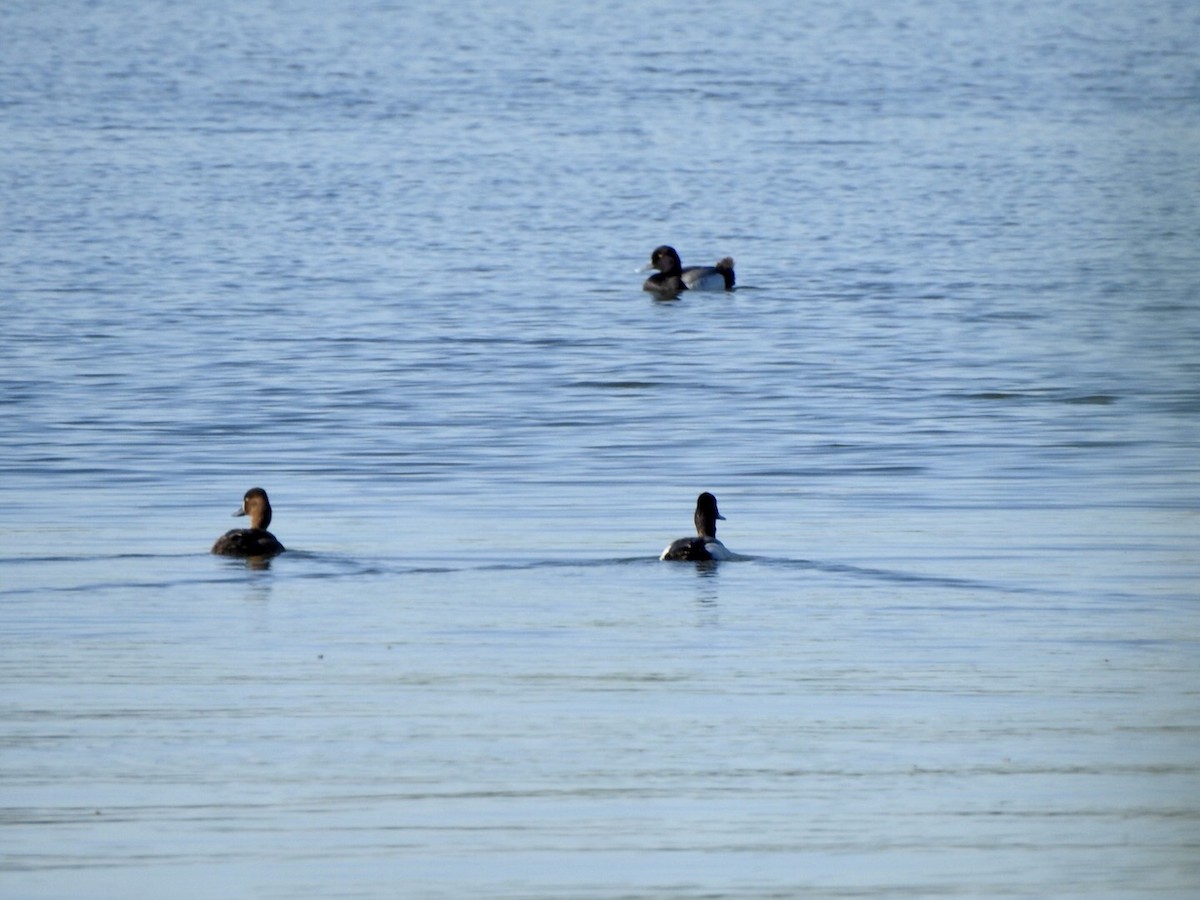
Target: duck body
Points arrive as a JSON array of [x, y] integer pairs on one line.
[[704, 546], [255, 540], [672, 279], [247, 542], [696, 549]]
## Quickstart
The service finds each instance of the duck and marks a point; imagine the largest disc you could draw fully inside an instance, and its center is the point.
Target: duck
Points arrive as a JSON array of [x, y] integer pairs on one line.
[[705, 545], [255, 540], [672, 278]]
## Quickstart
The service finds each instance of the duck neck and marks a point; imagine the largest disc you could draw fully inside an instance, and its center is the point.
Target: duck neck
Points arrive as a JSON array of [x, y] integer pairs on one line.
[[260, 517]]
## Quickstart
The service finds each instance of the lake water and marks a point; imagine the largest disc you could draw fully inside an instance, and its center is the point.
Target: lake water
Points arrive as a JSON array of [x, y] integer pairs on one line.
[[379, 258]]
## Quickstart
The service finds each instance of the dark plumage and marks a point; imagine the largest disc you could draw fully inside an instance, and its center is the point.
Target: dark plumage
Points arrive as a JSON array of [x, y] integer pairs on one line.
[[705, 545], [255, 540], [672, 278]]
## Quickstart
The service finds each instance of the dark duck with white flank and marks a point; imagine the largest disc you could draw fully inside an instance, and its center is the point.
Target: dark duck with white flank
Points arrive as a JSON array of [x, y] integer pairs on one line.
[[672, 279], [705, 545]]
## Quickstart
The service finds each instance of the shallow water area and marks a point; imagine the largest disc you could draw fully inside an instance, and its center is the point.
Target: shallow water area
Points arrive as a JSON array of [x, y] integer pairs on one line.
[[381, 262]]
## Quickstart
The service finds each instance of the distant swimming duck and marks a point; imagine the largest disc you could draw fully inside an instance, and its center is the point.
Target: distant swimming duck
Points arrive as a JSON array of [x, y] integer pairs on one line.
[[255, 540], [672, 278], [705, 545]]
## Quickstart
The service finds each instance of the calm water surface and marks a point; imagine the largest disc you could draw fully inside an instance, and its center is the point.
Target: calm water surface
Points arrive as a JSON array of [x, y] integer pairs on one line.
[[379, 259]]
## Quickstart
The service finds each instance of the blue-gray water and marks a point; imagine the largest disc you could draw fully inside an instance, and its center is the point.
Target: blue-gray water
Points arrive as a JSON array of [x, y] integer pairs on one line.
[[378, 258]]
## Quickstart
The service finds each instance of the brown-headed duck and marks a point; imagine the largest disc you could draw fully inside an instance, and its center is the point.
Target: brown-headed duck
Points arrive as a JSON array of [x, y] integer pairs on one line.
[[255, 540]]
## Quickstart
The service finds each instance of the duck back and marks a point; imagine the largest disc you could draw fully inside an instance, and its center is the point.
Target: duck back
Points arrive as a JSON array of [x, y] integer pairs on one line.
[[247, 542]]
